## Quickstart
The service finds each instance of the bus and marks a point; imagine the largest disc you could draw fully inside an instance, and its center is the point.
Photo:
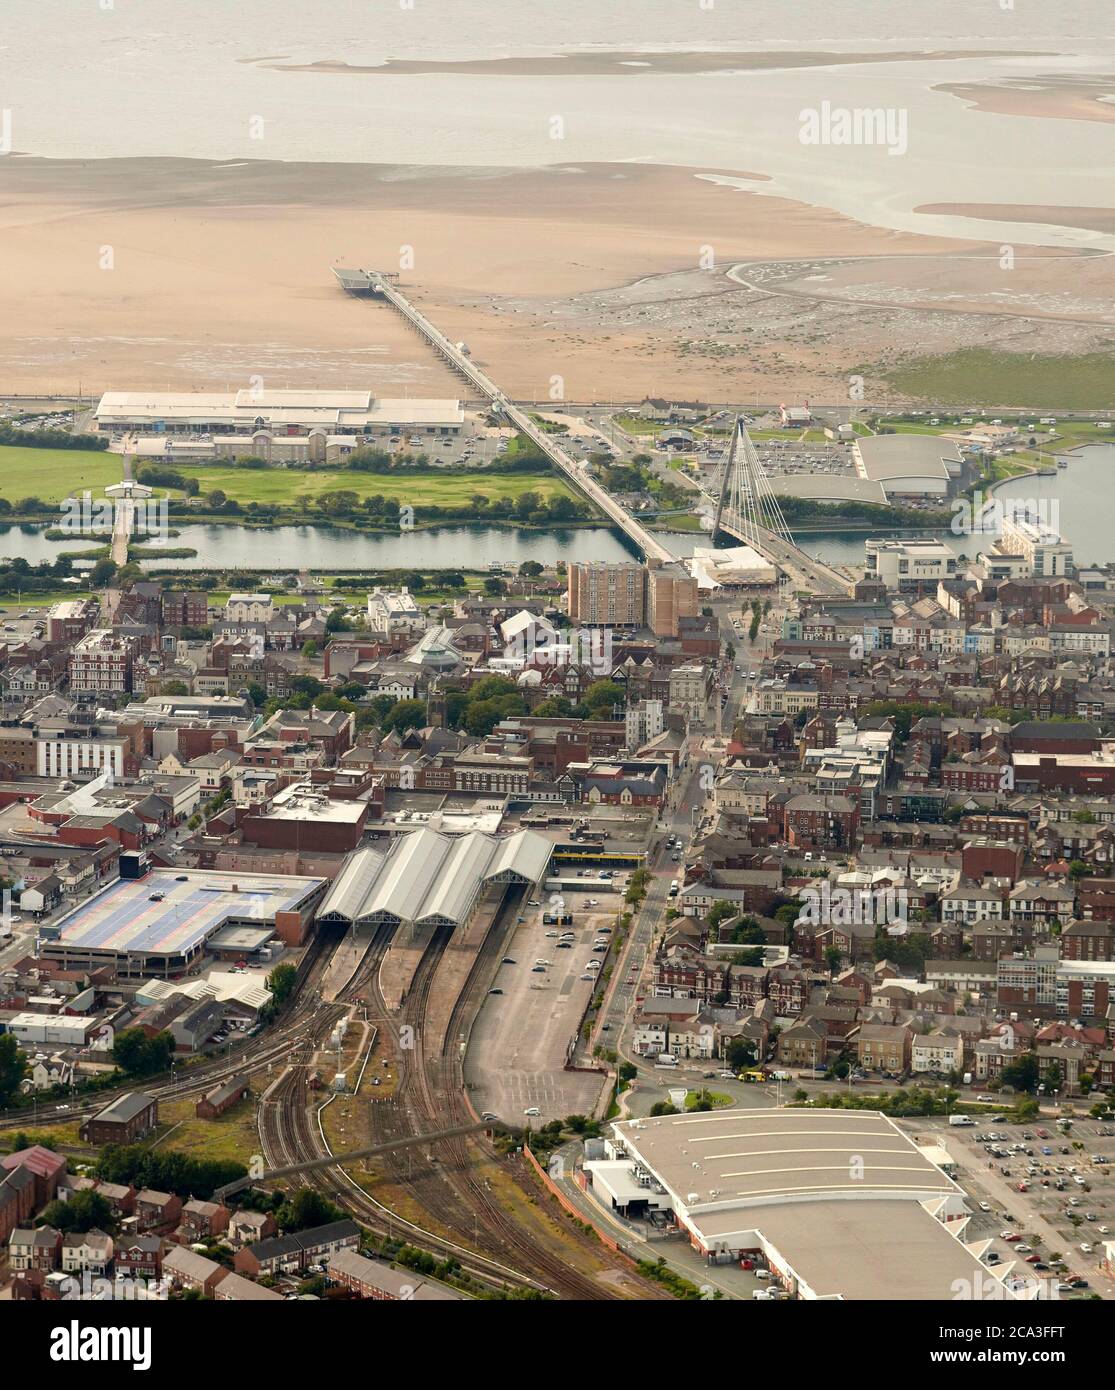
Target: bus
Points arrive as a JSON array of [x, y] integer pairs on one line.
[[754, 1075]]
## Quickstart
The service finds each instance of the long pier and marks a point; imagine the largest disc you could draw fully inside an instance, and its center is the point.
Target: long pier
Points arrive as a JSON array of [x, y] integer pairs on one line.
[[373, 284]]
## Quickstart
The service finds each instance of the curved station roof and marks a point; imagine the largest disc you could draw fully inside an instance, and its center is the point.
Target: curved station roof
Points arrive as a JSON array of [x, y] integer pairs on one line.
[[426, 877]]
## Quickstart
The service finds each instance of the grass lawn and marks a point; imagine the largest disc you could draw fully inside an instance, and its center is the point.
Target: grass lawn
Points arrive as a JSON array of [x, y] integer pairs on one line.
[[233, 1136], [981, 377], [718, 1098], [284, 486], [55, 473], [631, 424], [906, 427]]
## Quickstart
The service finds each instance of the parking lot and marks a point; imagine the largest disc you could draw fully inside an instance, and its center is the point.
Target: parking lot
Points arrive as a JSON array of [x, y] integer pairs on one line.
[[1068, 1202], [517, 1051]]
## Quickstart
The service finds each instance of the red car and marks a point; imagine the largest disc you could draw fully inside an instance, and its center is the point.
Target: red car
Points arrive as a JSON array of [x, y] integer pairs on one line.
[[1033, 1259], [1010, 1236]]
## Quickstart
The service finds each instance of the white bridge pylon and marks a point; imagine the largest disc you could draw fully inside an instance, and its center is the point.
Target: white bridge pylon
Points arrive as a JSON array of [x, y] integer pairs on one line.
[[747, 496]]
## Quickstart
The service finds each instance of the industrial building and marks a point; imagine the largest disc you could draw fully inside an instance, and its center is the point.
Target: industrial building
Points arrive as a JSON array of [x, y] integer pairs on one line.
[[909, 466], [160, 924], [838, 1204], [285, 416], [427, 879]]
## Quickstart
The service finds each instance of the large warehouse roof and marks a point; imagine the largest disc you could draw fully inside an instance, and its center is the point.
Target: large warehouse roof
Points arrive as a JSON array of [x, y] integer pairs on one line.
[[734, 1158], [171, 914], [427, 876], [889, 457], [841, 1202], [342, 409]]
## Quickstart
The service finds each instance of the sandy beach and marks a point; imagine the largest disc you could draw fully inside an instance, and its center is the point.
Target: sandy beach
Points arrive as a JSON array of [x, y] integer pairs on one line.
[[185, 274], [215, 273]]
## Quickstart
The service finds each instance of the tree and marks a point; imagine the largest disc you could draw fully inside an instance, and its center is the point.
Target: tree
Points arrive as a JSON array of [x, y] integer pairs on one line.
[[663, 1107], [85, 1211], [406, 714], [627, 1071], [741, 1054], [601, 697], [101, 573], [175, 688], [305, 1209], [337, 622], [309, 651], [281, 982], [833, 956], [720, 912], [530, 569], [1022, 1073], [138, 1055], [13, 1067]]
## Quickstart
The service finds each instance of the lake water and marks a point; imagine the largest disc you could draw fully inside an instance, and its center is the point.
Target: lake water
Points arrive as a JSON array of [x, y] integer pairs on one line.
[[113, 78], [324, 548]]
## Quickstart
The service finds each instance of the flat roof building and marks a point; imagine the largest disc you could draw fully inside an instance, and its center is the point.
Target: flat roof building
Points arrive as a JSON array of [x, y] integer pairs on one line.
[[159, 925], [248, 411], [840, 1204]]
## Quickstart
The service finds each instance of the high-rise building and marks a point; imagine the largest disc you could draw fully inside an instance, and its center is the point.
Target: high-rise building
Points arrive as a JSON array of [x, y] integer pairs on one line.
[[607, 595], [671, 595], [627, 594]]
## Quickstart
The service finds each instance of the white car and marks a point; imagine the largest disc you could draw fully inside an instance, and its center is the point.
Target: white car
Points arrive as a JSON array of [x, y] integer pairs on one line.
[[533, 1111], [1085, 1247], [985, 1206]]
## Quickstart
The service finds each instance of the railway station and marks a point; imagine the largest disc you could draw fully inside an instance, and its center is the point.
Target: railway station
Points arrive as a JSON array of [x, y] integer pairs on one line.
[[427, 879]]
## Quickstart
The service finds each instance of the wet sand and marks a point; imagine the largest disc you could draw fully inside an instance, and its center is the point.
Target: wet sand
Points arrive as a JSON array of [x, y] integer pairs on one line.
[[1060, 98], [215, 273], [630, 64]]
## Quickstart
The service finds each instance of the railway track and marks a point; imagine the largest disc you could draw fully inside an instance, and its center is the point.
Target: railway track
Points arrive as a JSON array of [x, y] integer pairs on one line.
[[249, 1055], [430, 1095]]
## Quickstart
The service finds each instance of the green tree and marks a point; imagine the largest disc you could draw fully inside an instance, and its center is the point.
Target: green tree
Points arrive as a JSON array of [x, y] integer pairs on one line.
[[101, 573], [138, 1055], [281, 982], [720, 912], [13, 1067], [85, 1211], [406, 714], [1022, 1073], [307, 1208]]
